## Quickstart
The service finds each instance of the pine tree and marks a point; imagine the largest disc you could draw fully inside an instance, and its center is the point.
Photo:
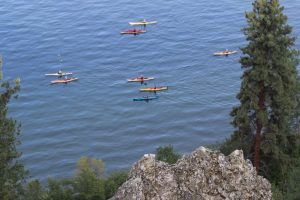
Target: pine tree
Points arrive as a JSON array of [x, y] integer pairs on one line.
[[267, 93], [12, 173]]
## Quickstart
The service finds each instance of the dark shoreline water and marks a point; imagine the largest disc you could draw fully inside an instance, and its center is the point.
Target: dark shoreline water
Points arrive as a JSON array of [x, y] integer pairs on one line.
[[96, 116]]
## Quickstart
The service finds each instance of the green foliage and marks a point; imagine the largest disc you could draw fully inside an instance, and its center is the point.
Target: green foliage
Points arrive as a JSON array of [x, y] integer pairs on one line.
[[269, 98], [276, 193], [35, 191], [87, 184], [167, 154], [57, 190], [295, 119], [114, 181], [292, 184], [12, 173], [288, 189], [269, 86], [89, 164], [238, 141]]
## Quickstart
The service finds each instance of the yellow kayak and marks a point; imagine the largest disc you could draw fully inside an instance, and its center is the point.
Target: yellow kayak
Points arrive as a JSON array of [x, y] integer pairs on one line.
[[142, 23], [154, 89]]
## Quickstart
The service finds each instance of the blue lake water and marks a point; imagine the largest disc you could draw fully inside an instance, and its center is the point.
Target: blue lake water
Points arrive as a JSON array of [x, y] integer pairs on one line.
[[96, 116]]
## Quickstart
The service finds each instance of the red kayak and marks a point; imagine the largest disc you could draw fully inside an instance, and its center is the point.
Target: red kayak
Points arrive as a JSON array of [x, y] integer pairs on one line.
[[133, 31], [66, 80]]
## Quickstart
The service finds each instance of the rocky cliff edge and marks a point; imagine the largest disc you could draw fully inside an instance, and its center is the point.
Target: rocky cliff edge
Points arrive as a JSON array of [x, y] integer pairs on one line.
[[203, 175]]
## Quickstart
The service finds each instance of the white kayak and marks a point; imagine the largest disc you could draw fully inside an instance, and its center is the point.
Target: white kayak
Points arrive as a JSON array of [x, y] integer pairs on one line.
[[59, 74], [142, 23], [140, 79], [224, 53]]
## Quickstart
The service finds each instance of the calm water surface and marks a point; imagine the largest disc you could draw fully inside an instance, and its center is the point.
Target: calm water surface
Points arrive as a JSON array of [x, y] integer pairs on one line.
[[96, 116]]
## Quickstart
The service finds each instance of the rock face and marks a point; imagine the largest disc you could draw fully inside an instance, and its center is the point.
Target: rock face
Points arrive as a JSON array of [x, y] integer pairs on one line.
[[203, 175]]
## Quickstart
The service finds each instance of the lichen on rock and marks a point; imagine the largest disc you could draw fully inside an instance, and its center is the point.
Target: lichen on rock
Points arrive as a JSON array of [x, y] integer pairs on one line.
[[202, 175]]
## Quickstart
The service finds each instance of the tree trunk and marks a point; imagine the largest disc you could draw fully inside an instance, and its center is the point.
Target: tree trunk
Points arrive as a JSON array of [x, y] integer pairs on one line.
[[257, 145], [259, 127]]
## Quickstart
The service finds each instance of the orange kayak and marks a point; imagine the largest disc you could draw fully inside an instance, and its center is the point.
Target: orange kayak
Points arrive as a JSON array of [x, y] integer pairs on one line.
[[66, 80]]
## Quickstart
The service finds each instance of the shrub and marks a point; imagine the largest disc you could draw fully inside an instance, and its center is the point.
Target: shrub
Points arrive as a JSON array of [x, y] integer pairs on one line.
[[167, 154]]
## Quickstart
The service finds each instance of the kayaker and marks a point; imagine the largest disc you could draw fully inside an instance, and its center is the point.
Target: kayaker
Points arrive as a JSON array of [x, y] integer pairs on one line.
[[60, 73], [142, 79], [146, 98], [226, 52]]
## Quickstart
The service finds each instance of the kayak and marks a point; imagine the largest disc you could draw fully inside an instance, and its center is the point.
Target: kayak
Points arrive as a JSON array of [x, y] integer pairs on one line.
[[59, 74], [133, 31], [142, 23], [145, 98], [155, 89], [140, 79], [66, 80], [224, 53]]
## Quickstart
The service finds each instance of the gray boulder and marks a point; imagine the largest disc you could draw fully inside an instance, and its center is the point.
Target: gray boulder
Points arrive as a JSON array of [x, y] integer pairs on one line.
[[203, 175]]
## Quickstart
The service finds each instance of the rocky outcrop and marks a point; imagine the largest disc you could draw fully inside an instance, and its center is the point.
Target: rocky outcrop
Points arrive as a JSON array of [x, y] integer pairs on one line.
[[203, 175]]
